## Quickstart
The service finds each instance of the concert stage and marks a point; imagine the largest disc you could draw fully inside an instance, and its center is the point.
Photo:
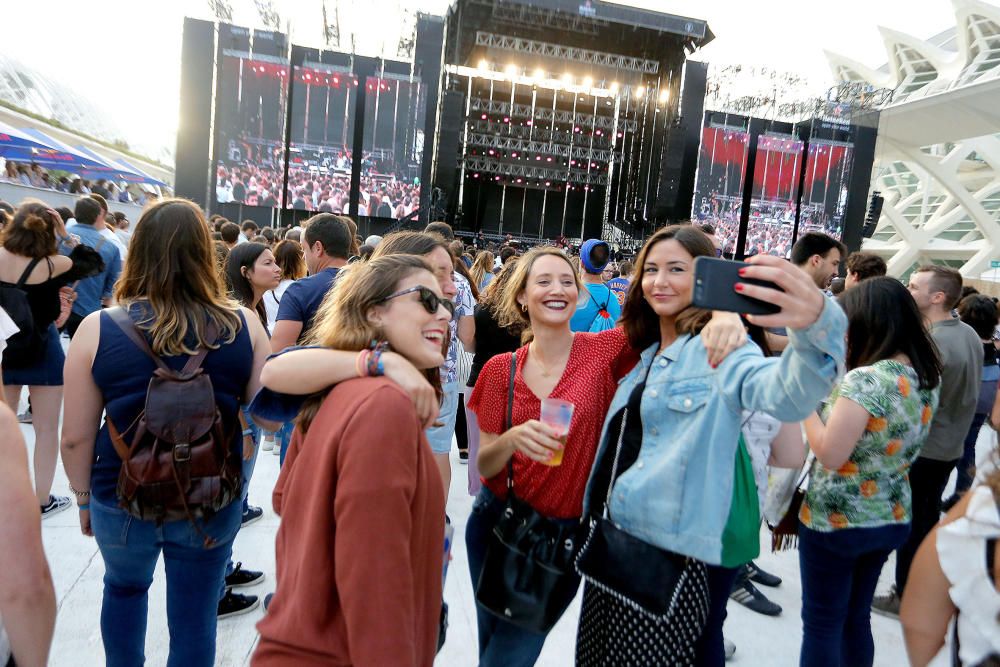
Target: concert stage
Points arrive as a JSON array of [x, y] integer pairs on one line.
[[561, 118]]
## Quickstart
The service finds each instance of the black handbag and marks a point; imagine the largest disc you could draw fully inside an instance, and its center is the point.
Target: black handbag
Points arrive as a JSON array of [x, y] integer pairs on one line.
[[528, 578], [650, 580]]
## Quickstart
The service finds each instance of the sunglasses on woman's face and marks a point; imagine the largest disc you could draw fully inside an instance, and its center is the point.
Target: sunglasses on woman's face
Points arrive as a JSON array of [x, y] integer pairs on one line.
[[428, 299]]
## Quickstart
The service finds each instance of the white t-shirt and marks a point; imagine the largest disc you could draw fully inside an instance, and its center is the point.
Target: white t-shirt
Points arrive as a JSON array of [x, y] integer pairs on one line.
[[271, 299], [7, 329]]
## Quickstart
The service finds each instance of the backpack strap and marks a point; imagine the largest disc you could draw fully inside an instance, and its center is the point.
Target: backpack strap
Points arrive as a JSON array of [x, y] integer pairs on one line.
[[602, 309], [120, 317], [27, 272]]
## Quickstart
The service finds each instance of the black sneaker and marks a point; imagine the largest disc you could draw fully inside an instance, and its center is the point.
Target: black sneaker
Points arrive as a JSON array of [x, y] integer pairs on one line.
[[463, 456], [55, 505], [759, 576], [250, 515], [234, 604], [240, 577], [267, 600], [887, 605], [24, 417], [747, 595]]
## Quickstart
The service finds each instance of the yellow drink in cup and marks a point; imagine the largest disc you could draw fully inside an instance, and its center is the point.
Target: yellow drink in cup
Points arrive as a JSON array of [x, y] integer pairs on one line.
[[557, 414]]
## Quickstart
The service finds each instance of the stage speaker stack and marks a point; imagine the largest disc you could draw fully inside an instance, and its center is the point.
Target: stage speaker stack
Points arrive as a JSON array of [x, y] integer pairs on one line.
[[194, 140], [449, 147], [679, 160]]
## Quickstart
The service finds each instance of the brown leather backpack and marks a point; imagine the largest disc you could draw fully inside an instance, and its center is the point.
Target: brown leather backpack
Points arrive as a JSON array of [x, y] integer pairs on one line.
[[180, 463]]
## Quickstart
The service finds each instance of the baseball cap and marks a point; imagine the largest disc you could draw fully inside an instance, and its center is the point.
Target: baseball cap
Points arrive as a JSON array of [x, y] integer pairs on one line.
[[594, 264]]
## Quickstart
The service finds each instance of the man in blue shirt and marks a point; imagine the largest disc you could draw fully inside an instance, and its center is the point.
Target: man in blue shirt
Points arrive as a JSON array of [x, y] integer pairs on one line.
[[601, 310], [327, 244], [97, 291]]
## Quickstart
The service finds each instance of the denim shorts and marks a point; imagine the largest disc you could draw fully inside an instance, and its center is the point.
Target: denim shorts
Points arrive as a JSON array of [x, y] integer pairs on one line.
[[440, 437]]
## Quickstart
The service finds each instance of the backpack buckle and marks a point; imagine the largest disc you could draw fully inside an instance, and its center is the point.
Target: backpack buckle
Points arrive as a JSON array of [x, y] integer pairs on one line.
[[182, 452]]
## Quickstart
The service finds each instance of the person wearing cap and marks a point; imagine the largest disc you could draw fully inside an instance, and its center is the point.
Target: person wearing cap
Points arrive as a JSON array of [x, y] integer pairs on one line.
[[601, 309], [373, 240]]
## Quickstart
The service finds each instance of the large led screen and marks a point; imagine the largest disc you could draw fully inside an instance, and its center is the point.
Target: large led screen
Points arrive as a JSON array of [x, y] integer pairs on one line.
[[392, 147], [250, 121], [771, 227], [322, 132], [828, 174], [722, 163]]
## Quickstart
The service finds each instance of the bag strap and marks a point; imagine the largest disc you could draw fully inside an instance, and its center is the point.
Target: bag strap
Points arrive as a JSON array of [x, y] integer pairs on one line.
[[509, 418], [601, 309], [27, 272]]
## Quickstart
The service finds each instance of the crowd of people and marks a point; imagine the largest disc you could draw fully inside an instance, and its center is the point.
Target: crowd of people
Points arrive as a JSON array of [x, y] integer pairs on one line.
[[615, 436], [326, 189], [36, 176]]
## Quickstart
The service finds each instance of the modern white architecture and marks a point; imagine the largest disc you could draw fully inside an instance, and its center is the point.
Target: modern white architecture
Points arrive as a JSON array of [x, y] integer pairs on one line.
[[938, 158]]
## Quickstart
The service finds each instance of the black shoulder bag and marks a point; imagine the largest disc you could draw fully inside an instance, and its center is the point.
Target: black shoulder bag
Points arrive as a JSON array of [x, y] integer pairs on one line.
[[666, 588], [528, 577]]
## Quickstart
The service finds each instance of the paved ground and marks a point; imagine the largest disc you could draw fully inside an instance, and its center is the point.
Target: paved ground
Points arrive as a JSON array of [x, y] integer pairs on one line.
[[77, 569]]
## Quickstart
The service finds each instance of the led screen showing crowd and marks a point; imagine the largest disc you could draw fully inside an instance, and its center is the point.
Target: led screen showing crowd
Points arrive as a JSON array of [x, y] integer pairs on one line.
[[250, 113], [393, 146], [718, 194], [322, 130], [771, 227]]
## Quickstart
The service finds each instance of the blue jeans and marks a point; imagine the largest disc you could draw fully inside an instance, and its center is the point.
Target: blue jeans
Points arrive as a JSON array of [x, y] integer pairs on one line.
[[284, 437], [501, 644], [130, 548], [247, 473], [710, 650], [967, 464], [840, 570]]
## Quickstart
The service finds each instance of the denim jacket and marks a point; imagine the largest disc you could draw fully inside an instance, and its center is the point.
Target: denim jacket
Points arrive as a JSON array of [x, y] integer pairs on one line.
[[677, 494]]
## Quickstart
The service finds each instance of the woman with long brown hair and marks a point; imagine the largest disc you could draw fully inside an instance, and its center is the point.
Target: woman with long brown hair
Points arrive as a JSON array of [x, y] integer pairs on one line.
[[30, 262], [482, 269], [175, 298], [361, 446], [670, 452]]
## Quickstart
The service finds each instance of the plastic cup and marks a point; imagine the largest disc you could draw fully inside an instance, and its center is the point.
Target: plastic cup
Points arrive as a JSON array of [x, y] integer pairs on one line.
[[558, 415]]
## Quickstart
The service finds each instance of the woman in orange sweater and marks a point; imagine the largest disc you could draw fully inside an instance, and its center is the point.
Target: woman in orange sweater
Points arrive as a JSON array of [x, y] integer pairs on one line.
[[360, 485]]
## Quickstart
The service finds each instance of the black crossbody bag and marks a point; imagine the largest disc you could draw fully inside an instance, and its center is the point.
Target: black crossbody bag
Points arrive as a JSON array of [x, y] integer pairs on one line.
[[528, 577], [644, 577]]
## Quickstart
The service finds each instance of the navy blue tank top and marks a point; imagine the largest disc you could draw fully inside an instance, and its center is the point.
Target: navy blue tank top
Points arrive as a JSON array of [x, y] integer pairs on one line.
[[122, 373]]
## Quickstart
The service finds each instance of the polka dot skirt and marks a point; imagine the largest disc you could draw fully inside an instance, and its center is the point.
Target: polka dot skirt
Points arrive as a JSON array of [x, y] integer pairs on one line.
[[613, 633]]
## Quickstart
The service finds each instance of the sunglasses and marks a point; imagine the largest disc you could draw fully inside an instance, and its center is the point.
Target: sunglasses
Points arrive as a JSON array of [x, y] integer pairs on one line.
[[428, 299]]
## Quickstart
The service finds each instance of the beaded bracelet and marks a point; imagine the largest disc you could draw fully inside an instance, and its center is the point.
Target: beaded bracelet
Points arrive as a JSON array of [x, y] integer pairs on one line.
[[361, 363], [83, 494], [375, 366]]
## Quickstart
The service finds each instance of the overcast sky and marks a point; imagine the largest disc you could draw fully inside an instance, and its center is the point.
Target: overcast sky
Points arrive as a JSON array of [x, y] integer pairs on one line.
[[125, 54]]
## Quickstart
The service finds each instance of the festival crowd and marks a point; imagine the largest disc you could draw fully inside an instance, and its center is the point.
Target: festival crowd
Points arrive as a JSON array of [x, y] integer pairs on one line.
[[615, 435]]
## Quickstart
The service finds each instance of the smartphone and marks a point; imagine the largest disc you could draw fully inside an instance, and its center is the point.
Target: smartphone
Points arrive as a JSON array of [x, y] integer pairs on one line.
[[713, 288]]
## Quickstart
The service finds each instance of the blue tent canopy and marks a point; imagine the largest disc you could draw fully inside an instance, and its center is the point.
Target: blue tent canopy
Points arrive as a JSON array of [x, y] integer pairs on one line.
[[149, 180], [119, 173], [42, 150]]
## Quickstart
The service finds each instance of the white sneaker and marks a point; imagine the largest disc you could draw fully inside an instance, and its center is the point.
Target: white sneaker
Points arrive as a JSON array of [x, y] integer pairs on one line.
[[730, 648], [267, 444]]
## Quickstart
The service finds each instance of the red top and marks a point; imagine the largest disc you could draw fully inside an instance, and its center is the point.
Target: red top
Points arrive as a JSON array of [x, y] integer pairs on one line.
[[361, 542], [596, 362]]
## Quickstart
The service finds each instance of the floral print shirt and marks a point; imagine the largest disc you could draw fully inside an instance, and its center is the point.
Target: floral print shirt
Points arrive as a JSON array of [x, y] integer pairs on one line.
[[873, 488]]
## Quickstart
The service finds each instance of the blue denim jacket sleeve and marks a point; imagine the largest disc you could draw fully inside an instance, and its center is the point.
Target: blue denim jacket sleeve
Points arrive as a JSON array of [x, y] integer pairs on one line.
[[275, 406], [790, 387]]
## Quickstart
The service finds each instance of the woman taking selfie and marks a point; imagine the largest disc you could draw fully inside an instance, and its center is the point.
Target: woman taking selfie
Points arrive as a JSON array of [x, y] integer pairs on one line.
[[362, 446], [669, 448], [170, 294], [857, 507], [549, 475]]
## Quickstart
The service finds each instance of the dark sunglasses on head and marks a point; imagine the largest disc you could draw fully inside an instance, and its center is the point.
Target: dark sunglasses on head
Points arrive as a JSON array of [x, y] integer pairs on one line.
[[428, 299]]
